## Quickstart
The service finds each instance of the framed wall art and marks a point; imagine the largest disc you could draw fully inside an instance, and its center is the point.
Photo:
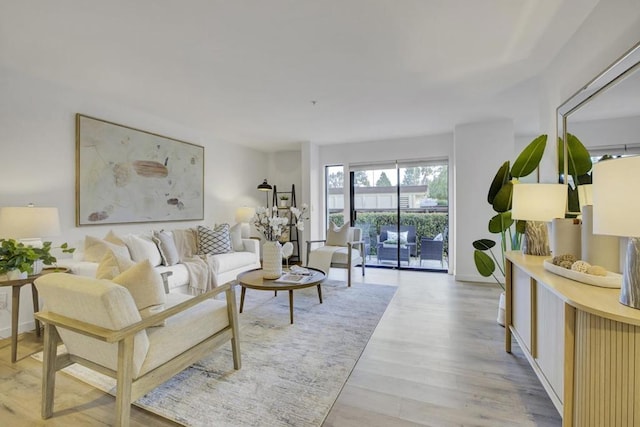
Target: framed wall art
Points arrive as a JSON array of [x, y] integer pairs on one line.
[[126, 175]]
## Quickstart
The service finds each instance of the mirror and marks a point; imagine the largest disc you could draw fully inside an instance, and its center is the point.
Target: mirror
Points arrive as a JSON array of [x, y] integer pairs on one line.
[[605, 114]]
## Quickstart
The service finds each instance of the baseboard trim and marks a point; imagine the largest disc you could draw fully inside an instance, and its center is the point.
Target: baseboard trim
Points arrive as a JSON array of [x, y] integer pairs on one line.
[[22, 328]]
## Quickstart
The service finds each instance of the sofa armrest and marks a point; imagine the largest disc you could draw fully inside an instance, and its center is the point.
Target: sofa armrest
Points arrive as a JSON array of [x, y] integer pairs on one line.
[[252, 245]]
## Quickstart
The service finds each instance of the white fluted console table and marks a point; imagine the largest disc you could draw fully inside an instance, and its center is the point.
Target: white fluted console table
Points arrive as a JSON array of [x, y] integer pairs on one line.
[[582, 343]]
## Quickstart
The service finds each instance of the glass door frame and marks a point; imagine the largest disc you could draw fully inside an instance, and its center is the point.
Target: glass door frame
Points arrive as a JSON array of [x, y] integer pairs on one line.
[[353, 211]]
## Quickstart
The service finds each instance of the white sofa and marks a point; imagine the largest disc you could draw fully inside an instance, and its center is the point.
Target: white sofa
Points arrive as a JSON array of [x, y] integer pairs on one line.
[[223, 267]]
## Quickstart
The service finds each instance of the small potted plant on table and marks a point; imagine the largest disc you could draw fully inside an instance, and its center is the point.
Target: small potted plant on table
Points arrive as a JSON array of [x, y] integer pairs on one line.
[[18, 260]]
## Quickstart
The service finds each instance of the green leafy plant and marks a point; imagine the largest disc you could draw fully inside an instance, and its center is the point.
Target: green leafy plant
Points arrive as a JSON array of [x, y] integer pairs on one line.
[[579, 165], [500, 196], [15, 255], [501, 192]]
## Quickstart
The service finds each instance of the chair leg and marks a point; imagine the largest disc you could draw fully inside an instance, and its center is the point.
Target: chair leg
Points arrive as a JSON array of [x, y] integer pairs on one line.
[[124, 379], [233, 321], [49, 370]]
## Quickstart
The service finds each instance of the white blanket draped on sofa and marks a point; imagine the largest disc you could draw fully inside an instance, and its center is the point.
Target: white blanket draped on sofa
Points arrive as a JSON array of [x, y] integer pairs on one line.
[[201, 278]]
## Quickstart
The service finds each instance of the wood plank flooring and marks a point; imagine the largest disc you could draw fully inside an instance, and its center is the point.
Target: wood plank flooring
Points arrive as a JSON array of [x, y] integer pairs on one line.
[[435, 359]]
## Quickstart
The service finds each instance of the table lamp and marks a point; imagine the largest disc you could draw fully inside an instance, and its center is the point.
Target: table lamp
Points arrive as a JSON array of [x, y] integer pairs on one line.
[[538, 204], [29, 224], [616, 209], [244, 215]]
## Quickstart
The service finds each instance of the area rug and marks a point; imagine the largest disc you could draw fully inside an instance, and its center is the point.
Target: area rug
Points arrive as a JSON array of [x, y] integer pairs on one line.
[[291, 374]]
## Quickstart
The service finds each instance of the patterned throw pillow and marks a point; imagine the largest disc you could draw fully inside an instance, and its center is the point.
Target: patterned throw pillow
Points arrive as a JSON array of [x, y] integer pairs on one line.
[[214, 241]]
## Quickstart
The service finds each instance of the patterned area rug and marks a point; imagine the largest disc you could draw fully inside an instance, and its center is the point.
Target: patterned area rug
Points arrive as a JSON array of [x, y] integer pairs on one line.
[[291, 374]]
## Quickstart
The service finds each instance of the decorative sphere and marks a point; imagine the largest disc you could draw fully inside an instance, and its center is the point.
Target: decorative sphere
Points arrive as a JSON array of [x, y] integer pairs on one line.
[[580, 266], [287, 250]]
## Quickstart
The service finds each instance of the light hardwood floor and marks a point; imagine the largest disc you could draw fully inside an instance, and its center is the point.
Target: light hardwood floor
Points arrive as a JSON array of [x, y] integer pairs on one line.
[[436, 358]]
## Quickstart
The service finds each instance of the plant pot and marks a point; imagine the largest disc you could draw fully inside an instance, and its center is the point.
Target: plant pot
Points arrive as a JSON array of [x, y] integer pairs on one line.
[[271, 260], [16, 274], [502, 304], [284, 203]]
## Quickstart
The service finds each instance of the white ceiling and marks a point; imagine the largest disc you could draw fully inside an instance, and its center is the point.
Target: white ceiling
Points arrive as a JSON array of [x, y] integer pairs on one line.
[[247, 71]]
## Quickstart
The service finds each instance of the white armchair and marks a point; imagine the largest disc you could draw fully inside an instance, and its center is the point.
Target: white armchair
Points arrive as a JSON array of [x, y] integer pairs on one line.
[[338, 252], [102, 329]]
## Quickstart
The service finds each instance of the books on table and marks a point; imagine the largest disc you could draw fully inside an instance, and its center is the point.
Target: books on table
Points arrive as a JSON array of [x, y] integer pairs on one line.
[[294, 278]]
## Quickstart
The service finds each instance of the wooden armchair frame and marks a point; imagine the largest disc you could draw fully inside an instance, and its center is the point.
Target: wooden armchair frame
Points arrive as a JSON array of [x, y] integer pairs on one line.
[[350, 245], [128, 389]]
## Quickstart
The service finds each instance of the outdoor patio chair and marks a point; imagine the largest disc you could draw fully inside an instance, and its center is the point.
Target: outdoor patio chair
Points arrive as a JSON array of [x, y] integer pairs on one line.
[[431, 250], [387, 246]]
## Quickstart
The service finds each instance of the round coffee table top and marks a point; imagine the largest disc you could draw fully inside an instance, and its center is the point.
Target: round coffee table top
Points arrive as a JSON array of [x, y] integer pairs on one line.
[[253, 279]]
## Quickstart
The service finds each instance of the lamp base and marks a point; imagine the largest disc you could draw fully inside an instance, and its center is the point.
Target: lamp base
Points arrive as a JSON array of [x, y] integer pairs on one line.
[[630, 290], [536, 239]]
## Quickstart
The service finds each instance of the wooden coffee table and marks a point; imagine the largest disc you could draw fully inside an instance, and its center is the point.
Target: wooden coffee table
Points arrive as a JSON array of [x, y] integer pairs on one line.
[[253, 280]]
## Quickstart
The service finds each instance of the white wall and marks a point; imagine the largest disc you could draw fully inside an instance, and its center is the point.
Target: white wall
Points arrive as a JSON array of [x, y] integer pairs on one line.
[[479, 150], [37, 152]]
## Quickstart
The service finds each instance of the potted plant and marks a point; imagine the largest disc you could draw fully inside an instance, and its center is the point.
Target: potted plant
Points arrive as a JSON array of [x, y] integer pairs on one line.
[[284, 201], [18, 260], [500, 197]]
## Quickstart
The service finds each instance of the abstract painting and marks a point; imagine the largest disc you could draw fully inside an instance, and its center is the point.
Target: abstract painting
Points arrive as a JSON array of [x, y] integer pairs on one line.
[[126, 175]]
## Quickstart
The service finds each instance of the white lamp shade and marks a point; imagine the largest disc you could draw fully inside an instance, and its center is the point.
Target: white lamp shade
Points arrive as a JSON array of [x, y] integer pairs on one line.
[[616, 204], [29, 222], [585, 195], [539, 202], [244, 214]]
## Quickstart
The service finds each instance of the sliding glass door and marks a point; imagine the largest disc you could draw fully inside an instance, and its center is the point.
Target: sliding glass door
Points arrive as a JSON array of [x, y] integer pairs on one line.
[[402, 208]]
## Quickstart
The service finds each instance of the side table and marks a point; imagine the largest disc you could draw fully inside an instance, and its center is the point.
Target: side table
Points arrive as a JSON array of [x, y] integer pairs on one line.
[[16, 285]]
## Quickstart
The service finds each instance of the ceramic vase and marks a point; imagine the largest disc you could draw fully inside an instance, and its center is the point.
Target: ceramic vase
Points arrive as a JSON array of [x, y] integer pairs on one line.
[[271, 260]]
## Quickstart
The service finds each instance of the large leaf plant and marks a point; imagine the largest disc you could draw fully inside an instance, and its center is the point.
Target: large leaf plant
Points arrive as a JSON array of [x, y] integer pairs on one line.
[[501, 191], [500, 197], [580, 165]]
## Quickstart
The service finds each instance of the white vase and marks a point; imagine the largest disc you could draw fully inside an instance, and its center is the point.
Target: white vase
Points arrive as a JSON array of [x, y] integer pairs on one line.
[[16, 274], [38, 266], [502, 304], [271, 260]]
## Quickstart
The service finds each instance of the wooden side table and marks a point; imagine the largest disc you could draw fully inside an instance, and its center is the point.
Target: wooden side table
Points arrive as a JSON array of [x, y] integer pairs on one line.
[[16, 285]]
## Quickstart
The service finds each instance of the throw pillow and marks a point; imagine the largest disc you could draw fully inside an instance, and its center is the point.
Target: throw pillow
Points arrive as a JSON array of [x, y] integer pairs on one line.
[[112, 264], [143, 249], [337, 236], [112, 237], [95, 249], [236, 238], [146, 288], [167, 247], [214, 241], [393, 237]]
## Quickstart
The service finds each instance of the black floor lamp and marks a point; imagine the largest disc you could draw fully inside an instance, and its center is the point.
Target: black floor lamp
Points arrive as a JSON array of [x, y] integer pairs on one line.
[[266, 188]]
